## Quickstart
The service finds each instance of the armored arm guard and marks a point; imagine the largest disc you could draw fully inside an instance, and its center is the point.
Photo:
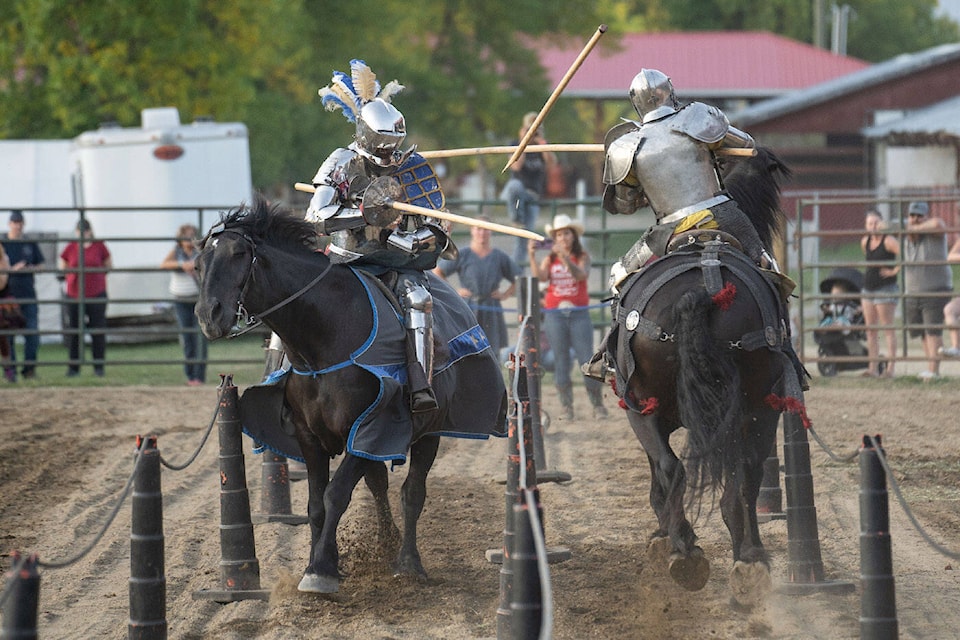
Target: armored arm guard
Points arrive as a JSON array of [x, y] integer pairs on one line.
[[738, 139], [623, 198], [623, 193], [334, 205], [324, 204], [710, 125]]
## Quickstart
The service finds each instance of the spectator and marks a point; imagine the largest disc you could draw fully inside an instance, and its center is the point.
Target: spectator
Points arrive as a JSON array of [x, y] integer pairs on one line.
[[951, 312], [481, 269], [25, 260], [96, 258], [880, 289], [566, 319], [926, 242], [527, 184], [6, 316], [184, 286]]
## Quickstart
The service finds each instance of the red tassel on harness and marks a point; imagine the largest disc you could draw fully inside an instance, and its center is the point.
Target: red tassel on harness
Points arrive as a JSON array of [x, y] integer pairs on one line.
[[724, 297], [648, 406], [620, 403], [790, 405]]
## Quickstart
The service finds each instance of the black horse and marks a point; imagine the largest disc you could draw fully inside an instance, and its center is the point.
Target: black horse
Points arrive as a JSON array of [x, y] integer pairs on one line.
[[344, 339], [700, 344]]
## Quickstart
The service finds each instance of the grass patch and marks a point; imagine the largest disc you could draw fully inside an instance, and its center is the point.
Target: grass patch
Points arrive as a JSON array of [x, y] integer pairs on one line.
[[154, 363]]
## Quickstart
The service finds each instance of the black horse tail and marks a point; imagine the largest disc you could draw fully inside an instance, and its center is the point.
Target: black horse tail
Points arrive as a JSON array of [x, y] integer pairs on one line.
[[708, 398], [754, 183]]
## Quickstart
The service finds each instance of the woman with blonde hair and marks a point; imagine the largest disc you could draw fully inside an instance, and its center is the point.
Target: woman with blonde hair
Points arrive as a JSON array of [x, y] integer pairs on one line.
[[185, 289]]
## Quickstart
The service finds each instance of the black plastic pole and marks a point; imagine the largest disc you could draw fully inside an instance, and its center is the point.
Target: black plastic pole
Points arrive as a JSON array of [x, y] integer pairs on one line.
[[526, 604], [275, 492], [770, 498], [529, 297], [148, 584], [239, 568], [511, 498], [878, 603], [805, 565], [23, 600]]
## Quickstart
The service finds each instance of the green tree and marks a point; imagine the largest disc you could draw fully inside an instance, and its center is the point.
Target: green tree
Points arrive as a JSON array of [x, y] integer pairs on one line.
[[471, 68], [67, 66], [882, 29], [878, 29]]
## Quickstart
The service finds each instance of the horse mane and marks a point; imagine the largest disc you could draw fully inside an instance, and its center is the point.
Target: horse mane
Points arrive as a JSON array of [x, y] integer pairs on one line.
[[274, 224], [754, 183]]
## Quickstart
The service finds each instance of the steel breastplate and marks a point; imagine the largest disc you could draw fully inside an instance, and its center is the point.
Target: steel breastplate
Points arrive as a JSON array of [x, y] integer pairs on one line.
[[675, 170]]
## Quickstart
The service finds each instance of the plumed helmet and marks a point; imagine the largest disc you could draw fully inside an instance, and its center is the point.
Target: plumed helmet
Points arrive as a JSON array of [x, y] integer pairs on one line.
[[380, 125], [380, 131], [651, 93]]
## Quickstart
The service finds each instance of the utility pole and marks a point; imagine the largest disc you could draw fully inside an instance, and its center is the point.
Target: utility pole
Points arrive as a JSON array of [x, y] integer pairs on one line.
[[818, 40], [841, 21]]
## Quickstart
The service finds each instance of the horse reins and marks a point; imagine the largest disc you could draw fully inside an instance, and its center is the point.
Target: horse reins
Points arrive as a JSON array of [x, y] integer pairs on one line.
[[245, 319]]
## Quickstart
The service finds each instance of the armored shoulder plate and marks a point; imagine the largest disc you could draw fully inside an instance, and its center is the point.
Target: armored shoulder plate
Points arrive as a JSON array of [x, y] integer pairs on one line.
[[701, 122], [420, 183], [618, 130], [620, 146], [339, 169]]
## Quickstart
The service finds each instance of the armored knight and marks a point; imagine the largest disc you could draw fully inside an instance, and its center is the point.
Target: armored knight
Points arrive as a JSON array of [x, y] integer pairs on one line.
[[667, 162], [365, 232]]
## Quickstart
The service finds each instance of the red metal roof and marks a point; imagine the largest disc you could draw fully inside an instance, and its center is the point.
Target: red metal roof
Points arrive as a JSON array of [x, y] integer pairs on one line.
[[745, 64]]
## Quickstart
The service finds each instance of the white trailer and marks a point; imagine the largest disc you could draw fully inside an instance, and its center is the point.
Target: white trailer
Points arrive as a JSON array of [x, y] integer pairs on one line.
[[136, 185]]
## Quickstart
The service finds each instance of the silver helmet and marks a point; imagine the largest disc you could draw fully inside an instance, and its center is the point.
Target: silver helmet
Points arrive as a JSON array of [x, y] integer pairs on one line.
[[651, 93], [380, 131]]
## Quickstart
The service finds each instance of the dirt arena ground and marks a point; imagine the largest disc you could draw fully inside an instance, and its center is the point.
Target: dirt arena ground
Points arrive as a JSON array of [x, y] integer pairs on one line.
[[65, 455]]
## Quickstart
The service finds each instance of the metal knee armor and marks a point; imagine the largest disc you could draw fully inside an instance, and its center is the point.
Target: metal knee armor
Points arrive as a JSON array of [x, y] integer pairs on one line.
[[418, 320]]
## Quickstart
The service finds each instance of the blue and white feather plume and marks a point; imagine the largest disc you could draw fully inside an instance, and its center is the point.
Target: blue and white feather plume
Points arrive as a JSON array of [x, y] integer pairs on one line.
[[350, 92]]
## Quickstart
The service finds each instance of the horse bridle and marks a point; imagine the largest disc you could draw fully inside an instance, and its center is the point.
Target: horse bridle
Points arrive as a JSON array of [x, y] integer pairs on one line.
[[246, 321]]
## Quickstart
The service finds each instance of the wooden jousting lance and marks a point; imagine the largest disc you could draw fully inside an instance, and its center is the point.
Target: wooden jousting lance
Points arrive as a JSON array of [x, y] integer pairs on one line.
[[412, 209], [577, 147], [556, 94]]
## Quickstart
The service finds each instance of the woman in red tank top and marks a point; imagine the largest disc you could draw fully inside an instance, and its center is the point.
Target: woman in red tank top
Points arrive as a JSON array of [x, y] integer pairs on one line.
[[566, 308]]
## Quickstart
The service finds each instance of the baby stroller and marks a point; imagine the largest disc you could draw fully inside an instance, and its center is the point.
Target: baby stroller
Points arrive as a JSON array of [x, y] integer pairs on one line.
[[841, 320]]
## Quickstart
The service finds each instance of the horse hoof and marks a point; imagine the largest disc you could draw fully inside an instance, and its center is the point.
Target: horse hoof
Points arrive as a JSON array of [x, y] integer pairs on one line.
[[313, 583], [415, 573], [660, 548], [409, 569], [750, 583], [690, 572]]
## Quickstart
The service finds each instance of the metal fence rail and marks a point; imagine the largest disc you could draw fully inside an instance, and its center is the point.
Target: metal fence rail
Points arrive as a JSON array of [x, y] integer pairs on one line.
[[810, 272], [808, 249]]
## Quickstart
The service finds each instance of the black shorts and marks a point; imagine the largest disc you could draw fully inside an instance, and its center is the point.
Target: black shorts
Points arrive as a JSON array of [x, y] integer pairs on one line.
[[929, 311]]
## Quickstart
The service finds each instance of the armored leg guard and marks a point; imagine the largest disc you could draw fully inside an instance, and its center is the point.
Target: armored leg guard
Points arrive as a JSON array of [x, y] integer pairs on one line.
[[276, 356], [637, 256], [418, 313]]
